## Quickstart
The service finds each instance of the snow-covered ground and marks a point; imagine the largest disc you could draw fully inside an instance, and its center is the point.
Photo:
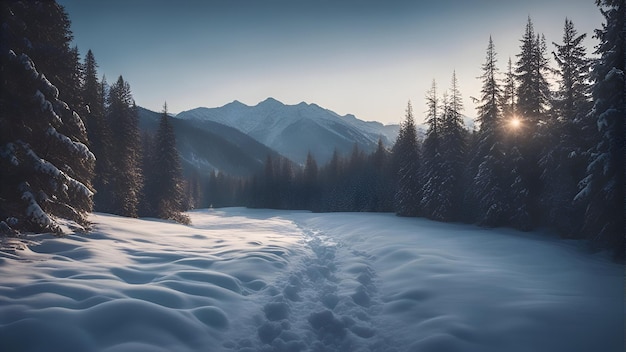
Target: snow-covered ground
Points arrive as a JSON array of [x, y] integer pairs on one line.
[[261, 280]]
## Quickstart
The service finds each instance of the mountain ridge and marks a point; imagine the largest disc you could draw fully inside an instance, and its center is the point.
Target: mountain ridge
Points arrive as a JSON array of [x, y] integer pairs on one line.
[[208, 147], [294, 130]]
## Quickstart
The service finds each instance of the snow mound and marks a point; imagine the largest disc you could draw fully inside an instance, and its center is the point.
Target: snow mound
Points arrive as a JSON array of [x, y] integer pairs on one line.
[[261, 280], [136, 285]]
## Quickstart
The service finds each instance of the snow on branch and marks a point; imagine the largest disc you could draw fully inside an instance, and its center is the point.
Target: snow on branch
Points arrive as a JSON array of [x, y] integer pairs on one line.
[[48, 168], [49, 87], [78, 148], [46, 106], [7, 151], [34, 211]]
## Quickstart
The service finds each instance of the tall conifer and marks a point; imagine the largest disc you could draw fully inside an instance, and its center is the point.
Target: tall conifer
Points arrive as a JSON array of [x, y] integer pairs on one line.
[[563, 160], [486, 167], [406, 150], [169, 180], [127, 181], [603, 188], [46, 165]]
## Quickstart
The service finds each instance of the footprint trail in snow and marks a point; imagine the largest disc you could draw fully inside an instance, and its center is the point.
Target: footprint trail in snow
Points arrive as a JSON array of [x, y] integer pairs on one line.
[[329, 302]]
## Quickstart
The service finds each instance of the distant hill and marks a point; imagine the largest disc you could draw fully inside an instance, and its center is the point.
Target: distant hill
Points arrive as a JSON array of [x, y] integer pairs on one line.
[[205, 146], [294, 130]]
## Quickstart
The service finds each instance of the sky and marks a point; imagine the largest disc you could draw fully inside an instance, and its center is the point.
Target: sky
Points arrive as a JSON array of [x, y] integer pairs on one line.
[[361, 57]]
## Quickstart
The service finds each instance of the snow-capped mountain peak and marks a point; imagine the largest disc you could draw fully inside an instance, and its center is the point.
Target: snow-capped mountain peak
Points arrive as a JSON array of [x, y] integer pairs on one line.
[[294, 130]]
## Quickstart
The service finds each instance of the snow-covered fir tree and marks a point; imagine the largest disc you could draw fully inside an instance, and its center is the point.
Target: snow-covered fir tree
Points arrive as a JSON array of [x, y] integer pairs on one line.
[[602, 190], [406, 152], [46, 174]]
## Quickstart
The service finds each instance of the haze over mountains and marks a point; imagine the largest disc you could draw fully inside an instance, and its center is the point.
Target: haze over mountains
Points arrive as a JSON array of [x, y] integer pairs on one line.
[[209, 146], [237, 138], [294, 130]]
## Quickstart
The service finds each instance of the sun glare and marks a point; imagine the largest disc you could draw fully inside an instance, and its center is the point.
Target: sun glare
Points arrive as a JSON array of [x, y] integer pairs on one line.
[[515, 123]]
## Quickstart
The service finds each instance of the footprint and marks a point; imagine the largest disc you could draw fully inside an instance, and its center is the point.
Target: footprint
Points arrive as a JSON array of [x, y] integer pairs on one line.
[[276, 311]]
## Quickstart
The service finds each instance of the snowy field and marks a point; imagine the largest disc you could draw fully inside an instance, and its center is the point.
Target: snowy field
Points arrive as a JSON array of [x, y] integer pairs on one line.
[[260, 280]]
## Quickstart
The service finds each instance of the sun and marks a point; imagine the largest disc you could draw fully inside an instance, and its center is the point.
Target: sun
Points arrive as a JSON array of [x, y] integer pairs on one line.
[[515, 123]]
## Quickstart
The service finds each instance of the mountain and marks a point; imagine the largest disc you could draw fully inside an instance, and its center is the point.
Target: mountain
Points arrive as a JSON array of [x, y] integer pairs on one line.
[[209, 146], [294, 130]]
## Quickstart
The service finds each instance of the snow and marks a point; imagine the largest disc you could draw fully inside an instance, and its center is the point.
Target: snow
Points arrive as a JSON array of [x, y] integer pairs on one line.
[[34, 211], [50, 88], [263, 280], [7, 151], [48, 168], [80, 150]]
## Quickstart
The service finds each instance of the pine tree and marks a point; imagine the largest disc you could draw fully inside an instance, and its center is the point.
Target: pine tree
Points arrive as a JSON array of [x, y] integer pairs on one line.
[[533, 91], [100, 138], [127, 181], [603, 188], [509, 102], [453, 136], [46, 174], [489, 111], [563, 159], [168, 180], [529, 139], [46, 34], [486, 167], [406, 151], [572, 97], [432, 157]]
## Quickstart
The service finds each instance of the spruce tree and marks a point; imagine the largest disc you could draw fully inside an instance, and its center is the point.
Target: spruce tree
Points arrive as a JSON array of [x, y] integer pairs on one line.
[[46, 173], [486, 166], [527, 141], [432, 158], [533, 91], [603, 187], [563, 160], [127, 181], [509, 89], [168, 180], [454, 138], [406, 151], [100, 138]]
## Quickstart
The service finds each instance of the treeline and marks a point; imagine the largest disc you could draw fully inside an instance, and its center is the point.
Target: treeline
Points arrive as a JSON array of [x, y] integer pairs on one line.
[[355, 183], [541, 156], [68, 141]]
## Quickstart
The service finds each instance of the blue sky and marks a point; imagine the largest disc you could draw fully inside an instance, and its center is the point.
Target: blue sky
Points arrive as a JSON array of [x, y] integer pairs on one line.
[[363, 57]]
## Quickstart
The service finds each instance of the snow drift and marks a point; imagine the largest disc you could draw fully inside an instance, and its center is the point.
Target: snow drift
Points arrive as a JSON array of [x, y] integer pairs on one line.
[[260, 280]]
